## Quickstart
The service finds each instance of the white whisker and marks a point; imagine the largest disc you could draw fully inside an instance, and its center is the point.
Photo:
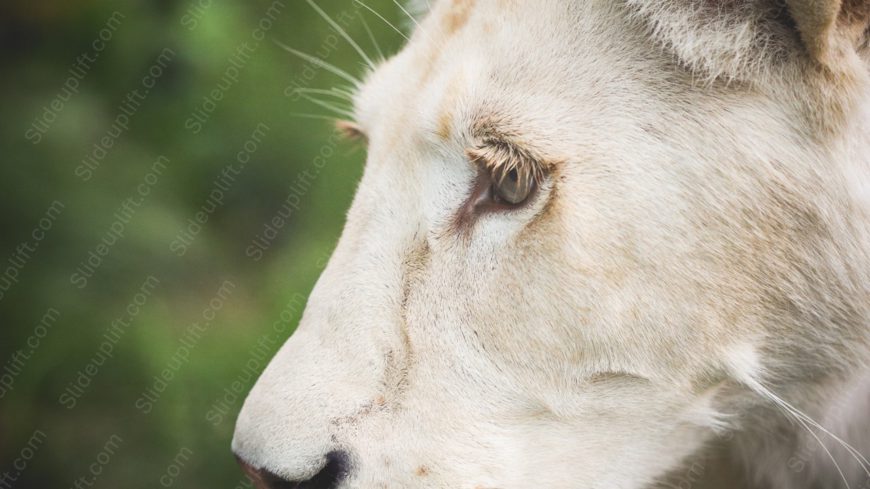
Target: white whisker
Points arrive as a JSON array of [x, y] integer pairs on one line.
[[371, 36], [331, 93], [407, 13], [805, 419], [825, 448], [312, 116], [321, 63], [347, 92], [343, 33], [326, 105], [862, 462], [382, 18]]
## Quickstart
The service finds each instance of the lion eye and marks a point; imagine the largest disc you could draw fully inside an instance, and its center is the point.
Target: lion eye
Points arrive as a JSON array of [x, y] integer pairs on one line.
[[507, 175], [512, 186]]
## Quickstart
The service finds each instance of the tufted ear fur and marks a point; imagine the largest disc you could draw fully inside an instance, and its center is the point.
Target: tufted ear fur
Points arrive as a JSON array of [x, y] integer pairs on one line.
[[745, 39], [812, 54], [831, 29]]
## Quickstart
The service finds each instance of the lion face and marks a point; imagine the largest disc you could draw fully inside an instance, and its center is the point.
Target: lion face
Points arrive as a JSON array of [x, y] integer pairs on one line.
[[569, 259]]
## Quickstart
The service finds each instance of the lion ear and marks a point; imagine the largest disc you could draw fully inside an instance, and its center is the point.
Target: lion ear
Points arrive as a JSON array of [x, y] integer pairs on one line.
[[742, 39], [831, 29]]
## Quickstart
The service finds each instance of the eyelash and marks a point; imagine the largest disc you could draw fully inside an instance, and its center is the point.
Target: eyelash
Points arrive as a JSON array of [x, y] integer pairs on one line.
[[512, 177]]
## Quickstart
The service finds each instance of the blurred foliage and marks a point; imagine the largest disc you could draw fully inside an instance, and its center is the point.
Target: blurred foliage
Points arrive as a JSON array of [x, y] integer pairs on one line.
[[45, 441]]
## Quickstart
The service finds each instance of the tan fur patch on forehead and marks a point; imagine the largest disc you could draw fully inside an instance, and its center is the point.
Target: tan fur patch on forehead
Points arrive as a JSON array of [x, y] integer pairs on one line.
[[457, 15], [444, 120], [446, 111]]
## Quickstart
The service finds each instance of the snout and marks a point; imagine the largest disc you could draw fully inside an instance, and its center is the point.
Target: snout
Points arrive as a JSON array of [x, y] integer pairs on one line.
[[332, 409], [334, 470], [289, 430]]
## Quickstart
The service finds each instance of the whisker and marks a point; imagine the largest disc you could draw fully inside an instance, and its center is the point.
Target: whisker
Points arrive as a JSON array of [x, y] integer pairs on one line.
[[407, 13], [382, 18], [862, 462], [326, 105], [347, 92], [304, 115], [321, 63], [318, 91], [825, 448], [371, 36], [804, 419], [343, 33]]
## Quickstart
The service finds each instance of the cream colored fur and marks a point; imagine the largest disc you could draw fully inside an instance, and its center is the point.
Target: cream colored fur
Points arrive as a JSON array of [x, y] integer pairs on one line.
[[700, 248]]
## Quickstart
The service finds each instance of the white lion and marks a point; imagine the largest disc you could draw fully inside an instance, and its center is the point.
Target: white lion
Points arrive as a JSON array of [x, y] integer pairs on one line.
[[598, 244]]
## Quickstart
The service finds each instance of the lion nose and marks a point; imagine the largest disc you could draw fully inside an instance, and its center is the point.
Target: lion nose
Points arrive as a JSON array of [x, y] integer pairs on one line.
[[335, 469]]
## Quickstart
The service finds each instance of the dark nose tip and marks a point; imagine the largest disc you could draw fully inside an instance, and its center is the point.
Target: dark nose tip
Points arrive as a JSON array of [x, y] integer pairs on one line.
[[336, 467]]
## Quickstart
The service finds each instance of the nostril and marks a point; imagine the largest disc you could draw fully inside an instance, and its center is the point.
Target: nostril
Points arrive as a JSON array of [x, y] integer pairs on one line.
[[335, 469], [332, 474]]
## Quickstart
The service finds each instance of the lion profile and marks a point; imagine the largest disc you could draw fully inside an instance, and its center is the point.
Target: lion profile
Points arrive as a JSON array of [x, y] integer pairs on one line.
[[597, 244]]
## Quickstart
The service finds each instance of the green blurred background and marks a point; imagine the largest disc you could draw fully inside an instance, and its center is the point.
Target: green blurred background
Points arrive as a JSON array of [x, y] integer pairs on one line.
[[165, 214]]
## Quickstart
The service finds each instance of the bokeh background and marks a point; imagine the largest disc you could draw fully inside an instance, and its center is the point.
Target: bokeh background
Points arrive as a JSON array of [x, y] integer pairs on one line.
[[165, 213]]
